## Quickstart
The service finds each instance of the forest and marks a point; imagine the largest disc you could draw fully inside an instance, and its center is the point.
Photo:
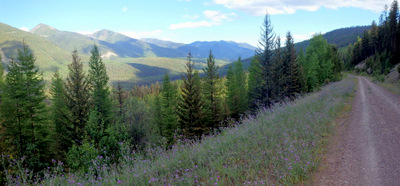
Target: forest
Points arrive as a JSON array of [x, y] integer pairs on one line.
[[79, 118]]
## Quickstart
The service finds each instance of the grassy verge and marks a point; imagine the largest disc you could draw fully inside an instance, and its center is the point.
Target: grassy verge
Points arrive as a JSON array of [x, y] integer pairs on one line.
[[281, 145], [395, 88]]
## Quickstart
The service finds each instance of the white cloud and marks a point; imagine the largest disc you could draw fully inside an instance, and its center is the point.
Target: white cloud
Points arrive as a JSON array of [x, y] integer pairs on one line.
[[139, 35], [192, 25], [191, 17], [24, 29], [260, 7], [217, 16], [124, 9], [302, 37]]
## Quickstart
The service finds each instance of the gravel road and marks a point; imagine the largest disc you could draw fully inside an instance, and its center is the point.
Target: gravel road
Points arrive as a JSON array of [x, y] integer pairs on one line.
[[365, 149]]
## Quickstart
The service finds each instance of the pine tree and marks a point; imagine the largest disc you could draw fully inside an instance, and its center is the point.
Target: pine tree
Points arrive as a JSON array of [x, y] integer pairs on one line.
[[293, 74], [237, 89], [77, 93], [60, 117], [168, 109], [100, 93], [254, 92], [279, 70], [190, 107], [24, 110], [264, 51], [212, 93]]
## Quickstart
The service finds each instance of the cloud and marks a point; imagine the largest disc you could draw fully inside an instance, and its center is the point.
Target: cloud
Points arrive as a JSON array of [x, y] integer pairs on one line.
[[24, 29], [124, 9], [217, 16], [260, 7], [139, 35], [191, 17], [191, 25]]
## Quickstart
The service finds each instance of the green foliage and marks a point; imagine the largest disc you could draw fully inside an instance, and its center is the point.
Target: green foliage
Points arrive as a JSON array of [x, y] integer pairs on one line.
[[77, 93], [212, 93], [99, 92], [24, 111], [236, 85], [190, 106], [80, 156], [264, 52], [254, 84], [169, 117], [60, 115]]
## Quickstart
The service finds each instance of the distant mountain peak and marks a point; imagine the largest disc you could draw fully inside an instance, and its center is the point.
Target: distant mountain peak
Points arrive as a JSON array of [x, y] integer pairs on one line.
[[40, 27]]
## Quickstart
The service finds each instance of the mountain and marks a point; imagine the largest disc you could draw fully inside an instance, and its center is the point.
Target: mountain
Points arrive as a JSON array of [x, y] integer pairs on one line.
[[226, 50], [340, 37], [125, 46], [49, 56], [162, 43]]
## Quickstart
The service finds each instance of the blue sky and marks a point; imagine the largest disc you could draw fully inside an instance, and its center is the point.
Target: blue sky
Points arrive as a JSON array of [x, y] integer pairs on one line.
[[192, 20]]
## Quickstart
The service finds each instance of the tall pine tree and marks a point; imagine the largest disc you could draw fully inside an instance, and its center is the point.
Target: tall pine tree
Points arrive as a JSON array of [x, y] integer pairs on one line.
[[77, 94], [212, 94], [190, 107], [60, 115], [169, 116], [254, 92], [293, 78], [24, 110], [264, 52]]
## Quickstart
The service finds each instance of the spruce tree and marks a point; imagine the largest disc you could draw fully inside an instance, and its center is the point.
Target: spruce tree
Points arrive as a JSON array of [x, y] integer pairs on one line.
[[212, 93], [168, 109], [293, 73], [77, 94], [60, 117], [279, 70], [190, 107], [24, 110], [100, 93], [264, 52]]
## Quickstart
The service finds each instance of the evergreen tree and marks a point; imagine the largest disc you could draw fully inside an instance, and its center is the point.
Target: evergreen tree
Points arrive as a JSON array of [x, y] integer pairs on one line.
[[264, 52], [293, 79], [24, 110], [60, 117], [255, 77], [393, 27], [279, 72], [168, 109], [212, 93], [237, 89], [100, 93], [190, 107], [77, 94]]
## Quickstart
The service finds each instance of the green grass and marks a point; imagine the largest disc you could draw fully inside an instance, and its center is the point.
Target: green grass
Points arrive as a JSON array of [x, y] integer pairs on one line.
[[282, 145]]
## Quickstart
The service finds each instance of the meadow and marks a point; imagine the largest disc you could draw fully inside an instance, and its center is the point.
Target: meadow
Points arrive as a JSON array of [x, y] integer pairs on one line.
[[280, 145]]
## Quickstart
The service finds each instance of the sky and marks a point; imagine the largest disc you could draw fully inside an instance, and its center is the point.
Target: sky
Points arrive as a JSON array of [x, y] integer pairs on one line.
[[186, 21]]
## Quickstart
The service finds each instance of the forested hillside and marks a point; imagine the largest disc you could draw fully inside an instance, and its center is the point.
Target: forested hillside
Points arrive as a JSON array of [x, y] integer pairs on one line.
[[85, 120]]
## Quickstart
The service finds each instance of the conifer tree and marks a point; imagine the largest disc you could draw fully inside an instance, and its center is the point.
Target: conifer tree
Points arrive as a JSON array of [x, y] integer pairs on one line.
[[264, 52], [237, 89], [24, 110], [212, 93], [279, 70], [77, 94], [100, 93], [293, 75], [60, 117], [168, 109], [254, 94], [190, 107]]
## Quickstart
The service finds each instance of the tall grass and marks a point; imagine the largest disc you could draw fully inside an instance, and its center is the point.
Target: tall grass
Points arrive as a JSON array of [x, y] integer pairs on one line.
[[281, 145]]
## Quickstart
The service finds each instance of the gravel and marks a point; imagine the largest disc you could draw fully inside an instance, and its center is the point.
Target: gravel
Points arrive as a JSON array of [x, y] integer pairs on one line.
[[365, 149]]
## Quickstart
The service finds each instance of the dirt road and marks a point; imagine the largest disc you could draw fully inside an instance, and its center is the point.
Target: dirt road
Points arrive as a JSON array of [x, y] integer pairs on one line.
[[366, 147]]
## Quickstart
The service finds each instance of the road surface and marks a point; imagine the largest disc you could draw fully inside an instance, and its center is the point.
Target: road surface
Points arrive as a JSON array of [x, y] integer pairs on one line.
[[365, 149]]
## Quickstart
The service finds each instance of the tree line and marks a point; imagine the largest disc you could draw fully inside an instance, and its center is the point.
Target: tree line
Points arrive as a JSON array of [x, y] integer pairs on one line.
[[84, 118], [379, 46]]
